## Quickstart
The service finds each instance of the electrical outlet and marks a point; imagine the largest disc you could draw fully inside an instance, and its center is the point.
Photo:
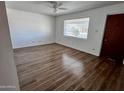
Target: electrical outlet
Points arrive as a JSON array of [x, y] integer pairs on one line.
[[93, 49]]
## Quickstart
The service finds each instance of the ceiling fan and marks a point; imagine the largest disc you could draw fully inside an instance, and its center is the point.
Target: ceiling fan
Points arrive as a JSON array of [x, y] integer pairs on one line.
[[56, 6]]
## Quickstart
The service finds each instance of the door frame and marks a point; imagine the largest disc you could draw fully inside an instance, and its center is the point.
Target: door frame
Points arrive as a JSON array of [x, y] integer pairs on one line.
[[103, 35], [105, 31]]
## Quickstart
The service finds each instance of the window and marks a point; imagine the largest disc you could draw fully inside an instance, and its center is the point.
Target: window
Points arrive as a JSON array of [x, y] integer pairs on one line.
[[76, 27]]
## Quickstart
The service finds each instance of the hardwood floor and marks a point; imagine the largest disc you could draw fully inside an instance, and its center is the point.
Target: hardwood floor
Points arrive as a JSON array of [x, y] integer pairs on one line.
[[56, 67]]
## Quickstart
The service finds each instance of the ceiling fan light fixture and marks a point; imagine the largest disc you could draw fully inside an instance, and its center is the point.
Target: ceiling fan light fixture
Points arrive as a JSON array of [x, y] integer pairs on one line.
[[56, 5]]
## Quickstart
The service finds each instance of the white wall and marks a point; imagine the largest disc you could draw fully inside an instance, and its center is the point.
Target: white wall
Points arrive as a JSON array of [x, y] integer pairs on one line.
[[8, 74], [30, 29], [96, 28]]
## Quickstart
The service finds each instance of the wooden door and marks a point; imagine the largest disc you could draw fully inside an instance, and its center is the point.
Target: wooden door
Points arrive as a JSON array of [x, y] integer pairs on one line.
[[113, 42]]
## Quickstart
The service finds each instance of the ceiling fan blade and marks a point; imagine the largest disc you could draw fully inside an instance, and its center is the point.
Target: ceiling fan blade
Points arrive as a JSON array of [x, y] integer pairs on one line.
[[62, 8], [49, 6], [59, 4], [52, 2]]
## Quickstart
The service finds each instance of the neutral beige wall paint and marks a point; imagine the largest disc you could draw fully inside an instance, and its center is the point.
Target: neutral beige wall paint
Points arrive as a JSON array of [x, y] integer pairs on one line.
[[8, 74], [30, 29], [97, 16]]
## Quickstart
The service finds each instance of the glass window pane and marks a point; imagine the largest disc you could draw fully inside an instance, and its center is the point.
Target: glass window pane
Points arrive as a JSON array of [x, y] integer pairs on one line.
[[76, 28]]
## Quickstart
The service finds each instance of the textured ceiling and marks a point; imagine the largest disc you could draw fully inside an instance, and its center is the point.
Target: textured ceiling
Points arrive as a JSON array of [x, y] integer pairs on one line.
[[72, 6]]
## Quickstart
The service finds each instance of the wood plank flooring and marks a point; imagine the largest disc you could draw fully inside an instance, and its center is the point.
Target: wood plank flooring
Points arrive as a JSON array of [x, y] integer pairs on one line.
[[59, 68]]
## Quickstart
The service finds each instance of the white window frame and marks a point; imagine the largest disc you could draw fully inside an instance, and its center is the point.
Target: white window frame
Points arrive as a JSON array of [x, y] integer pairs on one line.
[[76, 20]]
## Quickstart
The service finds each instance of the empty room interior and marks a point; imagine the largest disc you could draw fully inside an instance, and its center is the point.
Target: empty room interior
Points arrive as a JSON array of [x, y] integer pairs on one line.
[[62, 45]]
